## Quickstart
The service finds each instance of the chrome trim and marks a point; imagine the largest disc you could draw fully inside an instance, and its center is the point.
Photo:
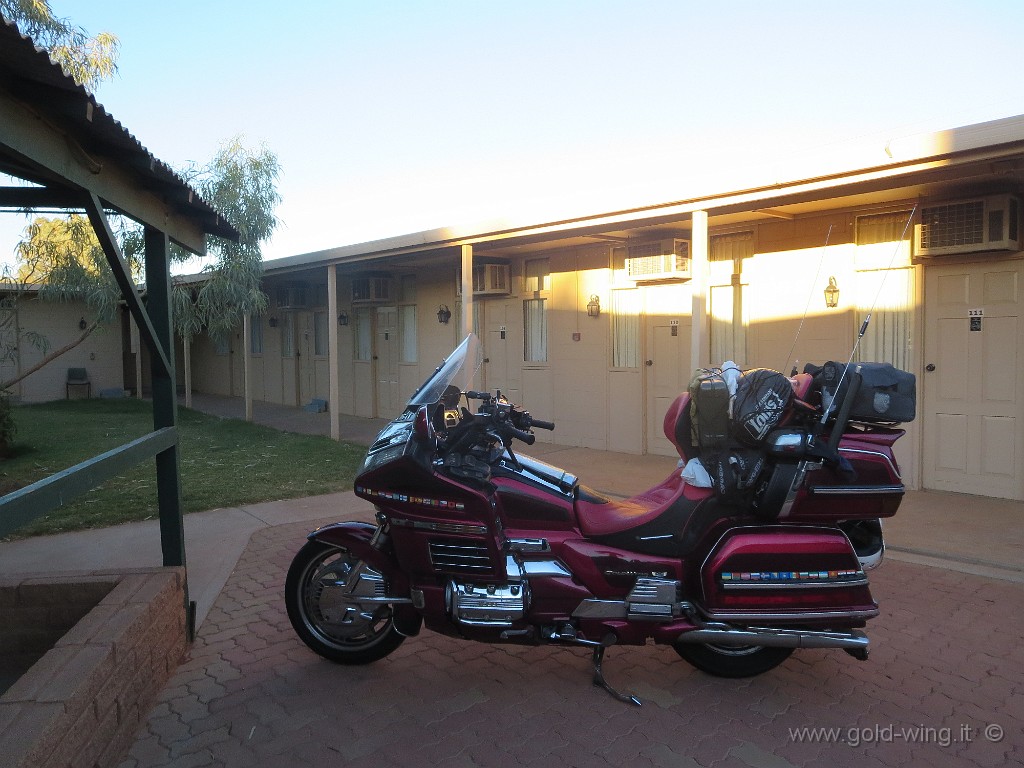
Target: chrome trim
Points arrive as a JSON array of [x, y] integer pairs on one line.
[[793, 585], [544, 568], [794, 616], [778, 638], [438, 527], [875, 453], [529, 545], [592, 608], [857, 490], [379, 600], [729, 531]]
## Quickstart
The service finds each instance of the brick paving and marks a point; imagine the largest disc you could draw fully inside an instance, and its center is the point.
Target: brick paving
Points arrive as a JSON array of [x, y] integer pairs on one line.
[[946, 654]]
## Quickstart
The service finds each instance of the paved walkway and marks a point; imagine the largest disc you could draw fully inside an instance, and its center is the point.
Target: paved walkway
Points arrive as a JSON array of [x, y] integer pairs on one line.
[[947, 661], [943, 687]]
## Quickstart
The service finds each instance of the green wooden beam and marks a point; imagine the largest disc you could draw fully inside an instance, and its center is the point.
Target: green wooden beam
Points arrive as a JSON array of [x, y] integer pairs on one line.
[[165, 397], [40, 197], [32, 501]]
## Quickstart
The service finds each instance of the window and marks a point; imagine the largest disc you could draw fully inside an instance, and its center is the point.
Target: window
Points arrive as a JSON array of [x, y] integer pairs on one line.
[[407, 330], [321, 340], [287, 335], [626, 328], [885, 288], [727, 313], [320, 295], [535, 323], [537, 276], [362, 330], [256, 334], [536, 280], [407, 289], [407, 318]]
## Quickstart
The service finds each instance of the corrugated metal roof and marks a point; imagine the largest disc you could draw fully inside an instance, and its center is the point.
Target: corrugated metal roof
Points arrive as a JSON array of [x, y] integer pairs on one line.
[[27, 71]]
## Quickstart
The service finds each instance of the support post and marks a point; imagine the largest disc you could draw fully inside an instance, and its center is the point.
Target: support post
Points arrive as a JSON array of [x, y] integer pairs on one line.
[[186, 346], [334, 395], [165, 404], [467, 292], [247, 364], [699, 346]]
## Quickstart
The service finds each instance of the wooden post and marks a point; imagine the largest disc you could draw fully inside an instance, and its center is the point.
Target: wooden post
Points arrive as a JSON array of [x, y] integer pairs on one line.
[[467, 292], [699, 342], [165, 403], [334, 404], [247, 364], [186, 345]]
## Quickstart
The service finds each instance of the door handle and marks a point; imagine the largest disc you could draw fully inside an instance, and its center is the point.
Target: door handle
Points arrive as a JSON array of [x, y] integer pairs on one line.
[[648, 363], [930, 367]]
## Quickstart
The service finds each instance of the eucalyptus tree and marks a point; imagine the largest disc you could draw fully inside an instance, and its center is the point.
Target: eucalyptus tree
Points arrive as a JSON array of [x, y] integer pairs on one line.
[[89, 59]]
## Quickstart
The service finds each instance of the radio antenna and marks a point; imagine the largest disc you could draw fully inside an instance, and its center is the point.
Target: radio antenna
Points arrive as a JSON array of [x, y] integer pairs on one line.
[[810, 296], [867, 319]]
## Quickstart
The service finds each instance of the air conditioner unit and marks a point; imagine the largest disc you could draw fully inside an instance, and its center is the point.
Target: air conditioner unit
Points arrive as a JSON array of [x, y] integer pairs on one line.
[[666, 259], [969, 226], [488, 280], [372, 290]]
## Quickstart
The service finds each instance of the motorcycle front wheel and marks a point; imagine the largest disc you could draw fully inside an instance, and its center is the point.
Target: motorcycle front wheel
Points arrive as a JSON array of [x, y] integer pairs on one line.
[[322, 594], [731, 660]]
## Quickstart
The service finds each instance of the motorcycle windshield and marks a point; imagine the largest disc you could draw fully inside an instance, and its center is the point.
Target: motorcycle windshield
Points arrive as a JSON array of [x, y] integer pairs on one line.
[[456, 372]]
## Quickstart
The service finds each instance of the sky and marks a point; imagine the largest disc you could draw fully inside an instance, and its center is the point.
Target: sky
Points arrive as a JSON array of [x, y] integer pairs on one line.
[[396, 117]]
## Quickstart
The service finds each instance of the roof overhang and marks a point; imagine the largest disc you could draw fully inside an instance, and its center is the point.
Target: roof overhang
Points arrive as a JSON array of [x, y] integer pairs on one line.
[[913, 167], [55, 135]]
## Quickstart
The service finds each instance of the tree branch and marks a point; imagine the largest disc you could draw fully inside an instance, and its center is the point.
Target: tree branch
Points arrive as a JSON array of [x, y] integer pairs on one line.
[[50, 358]]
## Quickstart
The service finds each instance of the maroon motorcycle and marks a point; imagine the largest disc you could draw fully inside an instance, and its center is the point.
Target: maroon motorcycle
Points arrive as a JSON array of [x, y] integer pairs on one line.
[[477, 541]]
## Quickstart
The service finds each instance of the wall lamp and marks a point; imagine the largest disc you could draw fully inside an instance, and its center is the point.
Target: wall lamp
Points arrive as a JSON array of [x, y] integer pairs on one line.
[[343, 318], [272, 322], [443, 314], [594, 306], [832, 294], [82, 324]]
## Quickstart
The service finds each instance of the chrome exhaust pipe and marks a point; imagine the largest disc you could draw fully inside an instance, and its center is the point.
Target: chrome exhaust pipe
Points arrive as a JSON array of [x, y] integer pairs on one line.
[[777, 638]]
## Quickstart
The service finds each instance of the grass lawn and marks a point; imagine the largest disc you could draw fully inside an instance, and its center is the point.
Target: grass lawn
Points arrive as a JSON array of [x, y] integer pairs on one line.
[[224, 462]]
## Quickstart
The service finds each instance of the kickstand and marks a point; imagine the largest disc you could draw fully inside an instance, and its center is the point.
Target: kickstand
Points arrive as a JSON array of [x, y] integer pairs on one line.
[[599, 676]]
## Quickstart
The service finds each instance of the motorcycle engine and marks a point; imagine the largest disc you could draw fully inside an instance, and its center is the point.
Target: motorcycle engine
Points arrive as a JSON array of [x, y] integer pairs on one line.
[[489, 605]]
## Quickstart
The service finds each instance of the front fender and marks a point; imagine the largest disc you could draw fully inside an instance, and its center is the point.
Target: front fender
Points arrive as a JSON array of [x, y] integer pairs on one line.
[[355, 537]]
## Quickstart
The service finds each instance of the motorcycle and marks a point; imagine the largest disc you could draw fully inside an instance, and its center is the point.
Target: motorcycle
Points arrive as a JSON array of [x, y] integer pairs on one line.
[[477, 541]]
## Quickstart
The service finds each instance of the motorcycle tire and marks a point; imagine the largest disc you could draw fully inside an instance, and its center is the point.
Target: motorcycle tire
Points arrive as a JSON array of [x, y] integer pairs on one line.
[[732, 661], [334, 626]]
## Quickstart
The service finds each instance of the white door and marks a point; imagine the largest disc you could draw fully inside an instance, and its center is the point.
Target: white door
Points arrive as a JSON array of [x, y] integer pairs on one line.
[[668, 372], [386, 353], [972, 383]]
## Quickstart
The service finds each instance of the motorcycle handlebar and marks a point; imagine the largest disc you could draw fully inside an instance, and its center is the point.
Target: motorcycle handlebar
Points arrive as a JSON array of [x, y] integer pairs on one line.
[[549, 425], [473, 395], [526, 437]]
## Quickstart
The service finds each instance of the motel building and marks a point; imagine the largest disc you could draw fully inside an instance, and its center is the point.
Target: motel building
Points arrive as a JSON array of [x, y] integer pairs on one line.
[[597, 322]]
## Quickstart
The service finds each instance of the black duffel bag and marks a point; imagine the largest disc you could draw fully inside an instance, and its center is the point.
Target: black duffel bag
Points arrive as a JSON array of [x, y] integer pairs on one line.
[[886, 395]]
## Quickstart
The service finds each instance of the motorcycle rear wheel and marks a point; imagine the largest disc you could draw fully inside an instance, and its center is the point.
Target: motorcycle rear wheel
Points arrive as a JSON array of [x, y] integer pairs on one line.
[[327, 616], [732, 661]]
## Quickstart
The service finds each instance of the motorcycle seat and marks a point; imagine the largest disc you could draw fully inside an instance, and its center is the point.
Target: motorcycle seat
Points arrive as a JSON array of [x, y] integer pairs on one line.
[[601, 516]]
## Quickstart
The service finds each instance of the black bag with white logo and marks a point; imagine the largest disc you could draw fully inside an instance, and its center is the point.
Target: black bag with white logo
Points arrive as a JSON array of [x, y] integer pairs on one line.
[[886, 394], [762, 397]]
